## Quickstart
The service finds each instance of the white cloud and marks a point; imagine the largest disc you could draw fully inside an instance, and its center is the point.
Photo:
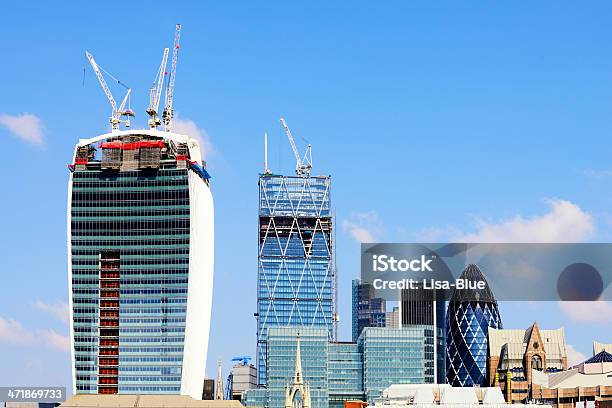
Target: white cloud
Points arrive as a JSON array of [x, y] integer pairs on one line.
[[574, 356], [12, 331], [598, 311], [363, 227], [190, 128], [59, 309], [565, 222], [53, 339], [25, 126]]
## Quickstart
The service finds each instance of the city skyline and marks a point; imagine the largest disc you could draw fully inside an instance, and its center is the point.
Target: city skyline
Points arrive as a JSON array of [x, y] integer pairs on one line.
[[455, 99]]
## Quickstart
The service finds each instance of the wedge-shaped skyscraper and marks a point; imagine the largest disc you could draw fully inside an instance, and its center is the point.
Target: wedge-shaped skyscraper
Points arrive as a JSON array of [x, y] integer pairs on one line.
[[140, 264]]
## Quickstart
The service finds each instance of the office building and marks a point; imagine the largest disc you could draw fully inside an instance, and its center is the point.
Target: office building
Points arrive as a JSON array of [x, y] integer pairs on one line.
[[295, 279], [140, 264], [243, 376], [392, 318], [427, 307], [339, 372], [396, 356], [367, 310], [470, 314]]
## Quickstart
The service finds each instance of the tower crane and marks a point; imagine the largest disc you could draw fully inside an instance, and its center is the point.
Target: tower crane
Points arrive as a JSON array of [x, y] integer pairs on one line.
[[303, 165], [156, 90], [168, 109], [117, 113]]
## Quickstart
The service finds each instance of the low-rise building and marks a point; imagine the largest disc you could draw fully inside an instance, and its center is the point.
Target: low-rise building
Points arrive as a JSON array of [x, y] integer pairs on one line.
[[514, 353], [588, 381]]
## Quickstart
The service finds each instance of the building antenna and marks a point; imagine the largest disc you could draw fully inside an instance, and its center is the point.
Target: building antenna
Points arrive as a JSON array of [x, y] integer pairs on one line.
[[266, 169]]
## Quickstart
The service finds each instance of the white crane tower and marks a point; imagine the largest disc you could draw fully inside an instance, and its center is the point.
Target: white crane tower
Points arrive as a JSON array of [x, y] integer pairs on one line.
[[154, 96], [156, 90], [168, 109], [117, 113], [303, 165]]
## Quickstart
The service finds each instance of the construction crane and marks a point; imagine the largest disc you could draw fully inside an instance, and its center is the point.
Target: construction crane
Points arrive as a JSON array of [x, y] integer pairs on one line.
[[168, 108], [243, 360], [303, 165], [117, 113], [156, 90]]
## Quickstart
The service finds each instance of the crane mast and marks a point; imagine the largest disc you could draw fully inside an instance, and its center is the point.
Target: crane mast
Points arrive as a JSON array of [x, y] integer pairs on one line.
[[303, 165], [117, 113], [168, 109], [156, 90]]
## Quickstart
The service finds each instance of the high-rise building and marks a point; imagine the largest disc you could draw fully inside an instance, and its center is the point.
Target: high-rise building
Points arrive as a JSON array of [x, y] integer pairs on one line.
[[427, 307], [367, 310], [471, 312], [140, 264], [295, 279]]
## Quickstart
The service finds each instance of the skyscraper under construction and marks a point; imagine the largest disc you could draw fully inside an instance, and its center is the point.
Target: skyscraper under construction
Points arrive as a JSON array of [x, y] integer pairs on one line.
[[140, 254], [296, 276]]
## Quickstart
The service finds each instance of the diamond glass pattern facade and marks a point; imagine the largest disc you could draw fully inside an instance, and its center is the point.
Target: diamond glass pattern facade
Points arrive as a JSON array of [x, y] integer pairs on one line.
[[140, 295], [295, 279], [470, 314]]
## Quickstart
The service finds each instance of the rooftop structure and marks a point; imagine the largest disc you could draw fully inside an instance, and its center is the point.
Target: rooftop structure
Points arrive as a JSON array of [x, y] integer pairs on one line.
[[144, 401], [598, 347], [433, 395]]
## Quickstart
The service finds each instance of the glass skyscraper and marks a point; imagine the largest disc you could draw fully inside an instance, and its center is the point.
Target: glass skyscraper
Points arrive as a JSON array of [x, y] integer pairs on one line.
[[396, 356], [140, 264], [470, 314], [367, 310], [295, 279]]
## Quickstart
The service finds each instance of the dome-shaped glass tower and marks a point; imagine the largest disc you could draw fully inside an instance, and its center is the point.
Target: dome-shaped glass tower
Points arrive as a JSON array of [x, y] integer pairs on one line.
[[470, 314]]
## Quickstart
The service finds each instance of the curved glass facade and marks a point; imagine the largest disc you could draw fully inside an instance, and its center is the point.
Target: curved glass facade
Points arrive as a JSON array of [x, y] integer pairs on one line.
[[470, 314]]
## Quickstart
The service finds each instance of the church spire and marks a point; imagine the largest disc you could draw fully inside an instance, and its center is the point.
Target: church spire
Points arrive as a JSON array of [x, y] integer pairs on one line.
[[298, 378]]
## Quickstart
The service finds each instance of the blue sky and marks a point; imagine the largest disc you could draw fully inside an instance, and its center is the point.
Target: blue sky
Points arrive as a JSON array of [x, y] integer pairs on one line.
[[436, 121]]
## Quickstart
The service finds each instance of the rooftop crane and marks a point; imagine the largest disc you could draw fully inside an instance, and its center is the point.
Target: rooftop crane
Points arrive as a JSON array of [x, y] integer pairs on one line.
[[156, 90], [115, 118], [303, 165], [168, 109]]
